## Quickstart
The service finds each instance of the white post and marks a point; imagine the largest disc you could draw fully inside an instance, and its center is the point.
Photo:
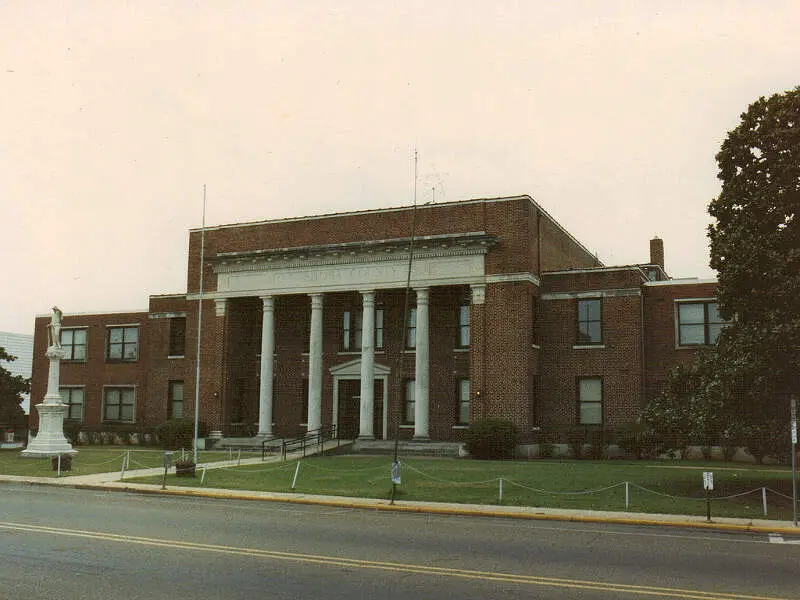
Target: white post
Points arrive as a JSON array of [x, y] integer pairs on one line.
[[203, 476], [764, 499], [627, 495], [501, 490], [314, 419], [267, 365], [367, 408], [296, 471], [422, 376]]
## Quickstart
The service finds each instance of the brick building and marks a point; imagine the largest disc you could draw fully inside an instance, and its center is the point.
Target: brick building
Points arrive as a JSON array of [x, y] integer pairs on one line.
[[307, 322]]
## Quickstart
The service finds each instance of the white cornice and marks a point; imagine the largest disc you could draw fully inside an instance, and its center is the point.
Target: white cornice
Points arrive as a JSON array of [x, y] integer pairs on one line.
[[592, 294], [684, 281]]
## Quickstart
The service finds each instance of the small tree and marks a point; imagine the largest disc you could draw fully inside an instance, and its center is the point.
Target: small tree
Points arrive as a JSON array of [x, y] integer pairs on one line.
[[12, 388]]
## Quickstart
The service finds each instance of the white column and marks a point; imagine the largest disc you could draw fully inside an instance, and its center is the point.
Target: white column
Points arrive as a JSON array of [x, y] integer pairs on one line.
[[366, 430], [267, 365], [422, 377], [315, 365]]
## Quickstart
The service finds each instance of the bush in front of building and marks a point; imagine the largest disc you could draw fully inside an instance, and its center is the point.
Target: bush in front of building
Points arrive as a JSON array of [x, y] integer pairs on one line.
[[491, 439], [179, 433]]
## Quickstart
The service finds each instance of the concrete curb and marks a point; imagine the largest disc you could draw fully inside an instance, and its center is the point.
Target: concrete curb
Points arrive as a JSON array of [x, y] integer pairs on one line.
[[527, 513]]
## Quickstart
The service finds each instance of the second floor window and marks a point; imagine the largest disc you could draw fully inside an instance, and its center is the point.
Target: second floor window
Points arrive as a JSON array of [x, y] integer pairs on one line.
[[590, 330], [73, 341], [411, 328], [699, 323], [177, 336], [463, 326], [352, 329], [122, 343]]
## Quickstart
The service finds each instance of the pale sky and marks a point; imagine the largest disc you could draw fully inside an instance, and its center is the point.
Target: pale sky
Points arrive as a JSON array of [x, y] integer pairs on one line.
[[115, 114]]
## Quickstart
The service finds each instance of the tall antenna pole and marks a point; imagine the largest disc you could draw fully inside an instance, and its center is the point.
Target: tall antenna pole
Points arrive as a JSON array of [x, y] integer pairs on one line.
[[199, 327], [399, 379]]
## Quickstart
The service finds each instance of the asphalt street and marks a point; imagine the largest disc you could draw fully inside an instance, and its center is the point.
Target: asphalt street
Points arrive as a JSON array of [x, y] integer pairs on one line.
[[71, 543]]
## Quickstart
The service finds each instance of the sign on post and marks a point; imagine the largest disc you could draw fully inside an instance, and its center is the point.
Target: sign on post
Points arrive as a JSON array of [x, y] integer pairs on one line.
[[396, 472], [793, 407], [708, 481]]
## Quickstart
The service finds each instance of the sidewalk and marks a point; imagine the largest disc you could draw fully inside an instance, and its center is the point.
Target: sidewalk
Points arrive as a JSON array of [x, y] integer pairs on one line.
[[112, 482]]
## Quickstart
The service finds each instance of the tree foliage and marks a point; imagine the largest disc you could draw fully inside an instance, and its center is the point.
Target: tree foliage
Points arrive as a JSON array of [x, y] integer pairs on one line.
[[755, 242], [737, 393], [12, 387]]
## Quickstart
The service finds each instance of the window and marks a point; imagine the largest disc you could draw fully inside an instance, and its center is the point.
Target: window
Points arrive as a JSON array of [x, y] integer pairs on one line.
[[699, 323], [590, 400], [175, 406], [352, 329], [119, 404], [379, 328], [590, 330], [177, 336], [73, 341], [463, 326], [409, 417], [73, 398], [462, 407], [123, 343], [411, 329]]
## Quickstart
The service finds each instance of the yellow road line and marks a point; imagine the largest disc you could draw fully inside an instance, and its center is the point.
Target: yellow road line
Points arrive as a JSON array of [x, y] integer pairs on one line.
[[389, 566]]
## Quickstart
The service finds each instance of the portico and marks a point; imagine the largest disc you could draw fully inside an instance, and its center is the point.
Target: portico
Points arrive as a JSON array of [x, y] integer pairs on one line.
[[373, 272]]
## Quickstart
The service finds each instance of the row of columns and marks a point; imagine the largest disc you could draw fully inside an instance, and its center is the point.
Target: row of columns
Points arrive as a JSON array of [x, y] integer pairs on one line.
[[367, 403]]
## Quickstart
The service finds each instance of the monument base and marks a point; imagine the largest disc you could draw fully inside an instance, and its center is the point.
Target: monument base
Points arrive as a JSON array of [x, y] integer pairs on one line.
[[50, 440]]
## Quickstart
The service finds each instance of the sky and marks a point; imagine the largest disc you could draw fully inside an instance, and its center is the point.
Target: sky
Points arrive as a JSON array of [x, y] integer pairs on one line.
[[114, 115]]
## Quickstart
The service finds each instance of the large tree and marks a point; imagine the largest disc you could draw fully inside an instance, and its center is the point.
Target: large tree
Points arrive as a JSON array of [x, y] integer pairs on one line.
[[755, 244], [737, 393], [12, 387]]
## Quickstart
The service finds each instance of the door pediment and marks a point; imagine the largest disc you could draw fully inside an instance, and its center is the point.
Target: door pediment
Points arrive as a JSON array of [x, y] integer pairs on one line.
[[352, 370]]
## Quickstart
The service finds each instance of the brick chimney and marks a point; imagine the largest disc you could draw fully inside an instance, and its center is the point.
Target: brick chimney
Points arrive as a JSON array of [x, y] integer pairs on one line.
[[657, 252]]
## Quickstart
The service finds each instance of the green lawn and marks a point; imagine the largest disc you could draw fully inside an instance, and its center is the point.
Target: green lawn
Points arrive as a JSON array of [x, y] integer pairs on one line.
[[92, 459], [670, 487]]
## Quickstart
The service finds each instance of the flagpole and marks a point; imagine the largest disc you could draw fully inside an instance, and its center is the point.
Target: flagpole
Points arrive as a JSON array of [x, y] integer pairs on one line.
[[199, 327]]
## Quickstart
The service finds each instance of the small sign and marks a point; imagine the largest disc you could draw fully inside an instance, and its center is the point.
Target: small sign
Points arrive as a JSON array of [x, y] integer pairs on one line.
[[708, 480], [396, 472], [794, 420]]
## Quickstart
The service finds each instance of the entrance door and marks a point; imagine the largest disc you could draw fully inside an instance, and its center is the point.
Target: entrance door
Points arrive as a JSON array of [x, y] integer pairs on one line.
[[350, 409]]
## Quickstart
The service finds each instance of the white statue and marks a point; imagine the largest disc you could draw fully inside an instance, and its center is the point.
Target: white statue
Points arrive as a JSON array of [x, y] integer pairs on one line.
[[54, 329]]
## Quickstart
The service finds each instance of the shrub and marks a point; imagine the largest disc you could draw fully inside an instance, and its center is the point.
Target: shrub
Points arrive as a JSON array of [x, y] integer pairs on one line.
[[491, 438], [179, 433], [577, 437]]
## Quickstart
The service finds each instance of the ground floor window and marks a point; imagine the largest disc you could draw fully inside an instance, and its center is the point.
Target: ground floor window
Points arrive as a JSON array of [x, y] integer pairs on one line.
[[590, 400], [175, 407], [73, 398], [119, 404], [409, 414], [462, 407]]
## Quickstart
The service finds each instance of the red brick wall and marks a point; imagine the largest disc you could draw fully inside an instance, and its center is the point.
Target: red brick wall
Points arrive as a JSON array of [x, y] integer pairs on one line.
[[618, 362], [661, 351], [514, 221], [96, 372]]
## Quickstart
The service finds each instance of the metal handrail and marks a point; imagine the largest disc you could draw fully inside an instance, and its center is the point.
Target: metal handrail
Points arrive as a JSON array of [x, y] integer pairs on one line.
[[316, 437]]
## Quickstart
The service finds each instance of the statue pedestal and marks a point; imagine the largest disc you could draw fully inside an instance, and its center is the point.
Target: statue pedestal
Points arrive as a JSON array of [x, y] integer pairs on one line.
[[50, 439]]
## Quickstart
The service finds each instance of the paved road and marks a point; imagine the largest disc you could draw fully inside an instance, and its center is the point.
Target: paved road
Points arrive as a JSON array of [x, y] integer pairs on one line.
[[67, 543]]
